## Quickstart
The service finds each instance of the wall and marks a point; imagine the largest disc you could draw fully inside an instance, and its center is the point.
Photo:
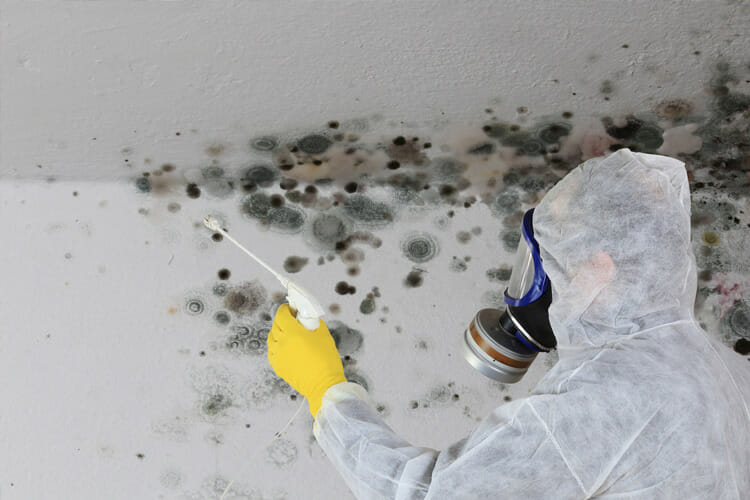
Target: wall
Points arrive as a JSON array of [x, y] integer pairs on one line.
[[391, 146]]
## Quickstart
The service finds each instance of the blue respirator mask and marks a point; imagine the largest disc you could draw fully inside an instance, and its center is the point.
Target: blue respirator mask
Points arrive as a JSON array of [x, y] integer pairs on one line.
[[502, 344]]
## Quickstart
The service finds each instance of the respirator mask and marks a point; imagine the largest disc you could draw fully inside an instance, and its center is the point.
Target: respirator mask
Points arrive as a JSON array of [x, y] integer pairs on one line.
[[502, 344]]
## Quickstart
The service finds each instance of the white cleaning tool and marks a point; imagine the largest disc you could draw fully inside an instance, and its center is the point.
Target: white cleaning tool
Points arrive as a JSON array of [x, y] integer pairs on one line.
[[308, 310]]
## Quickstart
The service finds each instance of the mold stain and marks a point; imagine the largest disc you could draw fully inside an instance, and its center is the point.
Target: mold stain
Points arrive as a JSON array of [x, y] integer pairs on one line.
[[245, 298], [294, 264], [419, 246], [340, 189]]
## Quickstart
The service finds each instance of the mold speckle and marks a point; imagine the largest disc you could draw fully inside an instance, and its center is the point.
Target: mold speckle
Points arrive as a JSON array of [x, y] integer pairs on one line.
[[511, 239], [363, 209], [328, 229], [463, 236], [419, 247], [222, 317], [265, 143], [193, 191], [245, 298], [286, 219], [246, 340], [458, 265], [343, 288], [143, 184], [294, 264], [220, 289], [500, 274], [367, 306], [314, 144], [348, 340], [736, 321], [260, 175], [194, 306], [224, 274], [215, 404], [742, 346], [413, 279], [256, 206]]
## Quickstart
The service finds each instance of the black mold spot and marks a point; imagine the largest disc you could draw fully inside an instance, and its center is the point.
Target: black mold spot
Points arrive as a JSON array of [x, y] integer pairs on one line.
[[287, 183], [413, 279], [246, 341], [314, 144], [343, 288], [501, 274], [294, 264], [224, 274], [328, 229], [216, 403], [393, 165], [347, 339], [217, 237], [193, 191], [265, 143], [567, 115], [194, 306], [399, 141], [367, 306], [458, 265], [287, 219], [736, 321], [496, 130], [419, 247], [256, 205], [333, 124], [363, 209], [506, 203], [222, 317], [143, 184], [245, 298], [293, 196], [350, 187], [742, 346], [552, 133], [511, 239], [262, 175]]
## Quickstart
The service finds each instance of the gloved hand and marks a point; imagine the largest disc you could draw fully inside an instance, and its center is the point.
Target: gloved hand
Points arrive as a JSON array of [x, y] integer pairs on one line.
[[306, 360]]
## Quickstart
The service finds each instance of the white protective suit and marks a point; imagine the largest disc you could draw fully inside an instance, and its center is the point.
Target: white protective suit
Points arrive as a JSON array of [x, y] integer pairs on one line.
[[642, 404]]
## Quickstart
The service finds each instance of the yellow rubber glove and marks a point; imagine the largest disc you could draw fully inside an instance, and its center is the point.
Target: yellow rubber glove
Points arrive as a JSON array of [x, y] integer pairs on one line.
[[308, 361]]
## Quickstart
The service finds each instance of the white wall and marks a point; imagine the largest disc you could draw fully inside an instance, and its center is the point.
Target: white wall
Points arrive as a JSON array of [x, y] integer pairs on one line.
[[107, 377], [132, 74]]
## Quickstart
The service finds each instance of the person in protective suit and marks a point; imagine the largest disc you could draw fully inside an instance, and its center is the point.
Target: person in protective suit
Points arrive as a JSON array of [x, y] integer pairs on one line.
[[642, 402]]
